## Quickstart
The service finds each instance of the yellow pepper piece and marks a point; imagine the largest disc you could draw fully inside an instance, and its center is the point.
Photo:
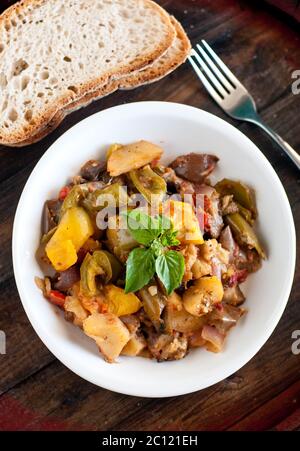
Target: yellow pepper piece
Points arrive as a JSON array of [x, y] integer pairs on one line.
[[72, 232], [62, 256], [184, 221], [120, 303]]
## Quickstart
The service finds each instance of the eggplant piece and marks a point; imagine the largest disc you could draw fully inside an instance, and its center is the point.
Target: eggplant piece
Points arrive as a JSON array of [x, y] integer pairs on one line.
[[194, 167], [50, 215], [233, 296], [41, 256], [65, 280], [91, 170]]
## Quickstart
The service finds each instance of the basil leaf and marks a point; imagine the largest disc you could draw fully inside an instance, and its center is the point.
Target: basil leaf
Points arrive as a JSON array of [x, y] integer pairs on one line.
[[157, 247], [143, 227], [140, 268], [168, 238], [170, 269]]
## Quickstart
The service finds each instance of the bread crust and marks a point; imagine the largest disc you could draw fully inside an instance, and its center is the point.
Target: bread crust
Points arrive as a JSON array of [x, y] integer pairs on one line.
[[42, 120], [145, 76]]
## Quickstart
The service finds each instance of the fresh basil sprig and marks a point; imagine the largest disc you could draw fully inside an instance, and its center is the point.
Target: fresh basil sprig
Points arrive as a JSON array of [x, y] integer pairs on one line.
[[169, 267], [156, 234]]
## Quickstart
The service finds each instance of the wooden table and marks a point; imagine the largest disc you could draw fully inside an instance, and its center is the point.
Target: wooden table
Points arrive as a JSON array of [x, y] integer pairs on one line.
[[37, 391]]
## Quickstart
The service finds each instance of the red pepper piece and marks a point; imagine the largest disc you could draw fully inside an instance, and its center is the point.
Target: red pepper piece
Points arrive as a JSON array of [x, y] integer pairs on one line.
[[57, 298]]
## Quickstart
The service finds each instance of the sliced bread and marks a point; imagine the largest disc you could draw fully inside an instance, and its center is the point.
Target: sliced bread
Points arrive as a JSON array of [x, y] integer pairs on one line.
[[54, 52], [168, 62]]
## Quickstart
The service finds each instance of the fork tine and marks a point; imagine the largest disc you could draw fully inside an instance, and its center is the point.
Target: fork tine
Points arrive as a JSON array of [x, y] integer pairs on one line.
[[228, 86], [215, 95], [213, 80], [222, 66]]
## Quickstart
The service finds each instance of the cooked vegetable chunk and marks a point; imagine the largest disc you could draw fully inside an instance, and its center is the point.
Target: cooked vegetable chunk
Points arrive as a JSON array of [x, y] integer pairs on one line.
[[167, 347], [65, 280], [200, 298], [120, 303], [149, 184], [50, 215], [177, 318], [153, 303], [62, 255], [91, 169], [89, 270], [134, 346], [113, 195], [110, 334], [74, 311], [73, 230], [194, 167], [102, 264], [112, 148], [241, 194], [119, 240], [213, 337], [132, 156], [73, 198], [184, 221], [244, 233]]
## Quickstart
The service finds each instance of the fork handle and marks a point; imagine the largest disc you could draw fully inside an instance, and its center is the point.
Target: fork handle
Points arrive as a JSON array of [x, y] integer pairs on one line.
[[290, 152]]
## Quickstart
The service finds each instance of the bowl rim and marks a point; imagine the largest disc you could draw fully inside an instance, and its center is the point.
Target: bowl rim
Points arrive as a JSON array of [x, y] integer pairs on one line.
[[169, 107]]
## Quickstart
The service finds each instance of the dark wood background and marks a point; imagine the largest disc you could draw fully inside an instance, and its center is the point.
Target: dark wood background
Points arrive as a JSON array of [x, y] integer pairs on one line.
[[37, 392]]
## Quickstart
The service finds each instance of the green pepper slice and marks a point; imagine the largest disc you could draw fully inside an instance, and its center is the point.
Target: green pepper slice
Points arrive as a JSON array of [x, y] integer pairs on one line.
[[89, 269], [241, 194], [98, 199], [101, 263], [244, 233], [247, 214], [148, 183], [74, 197]]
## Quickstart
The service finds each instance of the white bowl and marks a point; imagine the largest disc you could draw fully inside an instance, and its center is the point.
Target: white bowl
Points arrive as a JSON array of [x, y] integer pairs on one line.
[[178, 129]]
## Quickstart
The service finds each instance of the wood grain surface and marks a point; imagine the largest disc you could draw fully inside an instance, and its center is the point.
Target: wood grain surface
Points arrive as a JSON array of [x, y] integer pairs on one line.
[[37, 392]]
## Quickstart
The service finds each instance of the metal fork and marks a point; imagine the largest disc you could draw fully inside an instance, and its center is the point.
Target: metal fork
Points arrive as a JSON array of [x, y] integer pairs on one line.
[[230, 94]]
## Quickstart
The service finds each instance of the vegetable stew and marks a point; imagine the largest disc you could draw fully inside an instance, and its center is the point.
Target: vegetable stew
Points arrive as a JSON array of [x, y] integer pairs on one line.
[[148, 259]]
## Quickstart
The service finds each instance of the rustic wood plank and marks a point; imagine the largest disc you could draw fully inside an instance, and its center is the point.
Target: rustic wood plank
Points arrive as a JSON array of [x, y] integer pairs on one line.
[[274, 413], [25, 353], [291, 423], [263, 51]]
